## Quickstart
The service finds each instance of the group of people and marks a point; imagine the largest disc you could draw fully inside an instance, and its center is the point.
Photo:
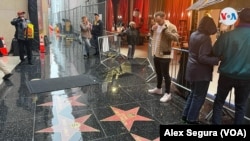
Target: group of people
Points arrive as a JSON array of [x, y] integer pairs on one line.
[[90, 33], [230, 51]]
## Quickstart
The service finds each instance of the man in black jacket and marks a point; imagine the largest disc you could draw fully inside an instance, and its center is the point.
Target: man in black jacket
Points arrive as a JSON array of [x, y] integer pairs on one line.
[[20, 24], [97, 31], [132, 36]]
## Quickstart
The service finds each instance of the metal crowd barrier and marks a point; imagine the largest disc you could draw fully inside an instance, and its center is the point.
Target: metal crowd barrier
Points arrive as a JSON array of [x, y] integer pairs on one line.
[[68, 21], [109, 50]]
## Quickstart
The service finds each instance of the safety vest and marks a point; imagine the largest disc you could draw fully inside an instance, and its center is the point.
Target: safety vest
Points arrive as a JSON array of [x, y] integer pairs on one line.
[[29, 33]]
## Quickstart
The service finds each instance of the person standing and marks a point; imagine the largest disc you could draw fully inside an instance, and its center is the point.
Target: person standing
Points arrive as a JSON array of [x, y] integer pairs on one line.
[[20, 24], [163, 33], [86, 35], [199, 68], [233, 48], [4, 69], [132, 35], [97, 31]]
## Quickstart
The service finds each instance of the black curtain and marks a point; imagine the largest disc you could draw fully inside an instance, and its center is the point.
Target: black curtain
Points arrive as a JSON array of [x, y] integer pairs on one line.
[[32, 10]]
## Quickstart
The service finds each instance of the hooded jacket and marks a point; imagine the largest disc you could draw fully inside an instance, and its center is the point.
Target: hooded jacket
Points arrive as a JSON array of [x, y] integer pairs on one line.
[[200, 59]]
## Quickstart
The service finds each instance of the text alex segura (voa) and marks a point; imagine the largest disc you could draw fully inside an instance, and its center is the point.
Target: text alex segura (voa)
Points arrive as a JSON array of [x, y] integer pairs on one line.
[[190, 132]]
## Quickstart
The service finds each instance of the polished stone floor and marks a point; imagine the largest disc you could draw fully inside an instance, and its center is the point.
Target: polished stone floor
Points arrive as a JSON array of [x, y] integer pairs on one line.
[[118, 108]]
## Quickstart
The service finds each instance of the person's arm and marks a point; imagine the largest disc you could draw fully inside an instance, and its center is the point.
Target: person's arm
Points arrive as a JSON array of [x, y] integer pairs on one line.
[[218, 47], [84, 27], [15, 21], [172, 33], [205, 53]]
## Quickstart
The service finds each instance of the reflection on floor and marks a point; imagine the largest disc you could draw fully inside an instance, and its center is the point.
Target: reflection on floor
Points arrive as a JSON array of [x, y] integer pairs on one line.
[[117, 108]]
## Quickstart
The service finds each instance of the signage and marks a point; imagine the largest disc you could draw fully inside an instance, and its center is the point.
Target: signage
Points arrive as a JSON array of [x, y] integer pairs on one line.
[[228, 16]]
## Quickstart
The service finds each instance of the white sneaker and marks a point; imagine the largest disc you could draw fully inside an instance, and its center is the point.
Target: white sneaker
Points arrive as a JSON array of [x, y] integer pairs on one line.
[[155, 91], [166, 97]]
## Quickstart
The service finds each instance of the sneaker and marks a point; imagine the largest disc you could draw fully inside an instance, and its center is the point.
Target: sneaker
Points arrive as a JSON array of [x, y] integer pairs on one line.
[[155, 91], [166, 97], [6, 76]]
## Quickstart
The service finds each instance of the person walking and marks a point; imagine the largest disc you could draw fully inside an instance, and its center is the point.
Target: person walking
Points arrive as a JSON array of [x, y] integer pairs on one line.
[[199, 68], [233, 48], [163, 33], [132, 36], [20, 24], [97, 31], [5, 70], [86, 35]]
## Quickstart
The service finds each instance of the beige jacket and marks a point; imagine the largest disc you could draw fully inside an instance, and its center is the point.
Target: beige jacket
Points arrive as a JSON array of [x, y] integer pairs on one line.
[[168, 34], [85, 30]]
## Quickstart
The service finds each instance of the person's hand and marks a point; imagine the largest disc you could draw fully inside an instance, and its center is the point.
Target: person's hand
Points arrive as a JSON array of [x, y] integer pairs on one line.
[[154, 27]]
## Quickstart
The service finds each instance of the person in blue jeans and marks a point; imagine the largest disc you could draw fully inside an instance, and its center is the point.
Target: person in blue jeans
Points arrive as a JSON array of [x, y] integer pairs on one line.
[[199, 68], [86, 35], [233, 48]]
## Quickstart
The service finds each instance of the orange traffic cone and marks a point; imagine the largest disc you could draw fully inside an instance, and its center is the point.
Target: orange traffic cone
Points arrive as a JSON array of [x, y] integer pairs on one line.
[[42, 47], [3, 47]]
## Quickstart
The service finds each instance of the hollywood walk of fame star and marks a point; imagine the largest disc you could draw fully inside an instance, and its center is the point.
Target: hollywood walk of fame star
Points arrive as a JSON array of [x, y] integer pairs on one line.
[[126, 117], [139, 138], [72, 101], [69, 127]]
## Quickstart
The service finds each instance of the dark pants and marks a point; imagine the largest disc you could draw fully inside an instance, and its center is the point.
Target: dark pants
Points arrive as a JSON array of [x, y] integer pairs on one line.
[[94, 43], [131, 51], [162, 70], [242, 90], [25, 46], [195, 100]]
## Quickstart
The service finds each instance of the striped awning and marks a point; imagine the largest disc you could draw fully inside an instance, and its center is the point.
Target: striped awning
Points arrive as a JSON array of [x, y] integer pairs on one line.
[[203, 3], [219, 4], [197, 5]]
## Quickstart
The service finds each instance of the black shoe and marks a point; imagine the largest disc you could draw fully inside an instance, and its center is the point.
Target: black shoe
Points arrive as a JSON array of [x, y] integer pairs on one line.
[[22, 62], [85, 56], [97, 53], [30, 63], [7, 76], [193, 122], [184, 119]]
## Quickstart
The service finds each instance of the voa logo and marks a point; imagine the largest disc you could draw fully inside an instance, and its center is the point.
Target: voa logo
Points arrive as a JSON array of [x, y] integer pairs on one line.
[[228, 16]]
